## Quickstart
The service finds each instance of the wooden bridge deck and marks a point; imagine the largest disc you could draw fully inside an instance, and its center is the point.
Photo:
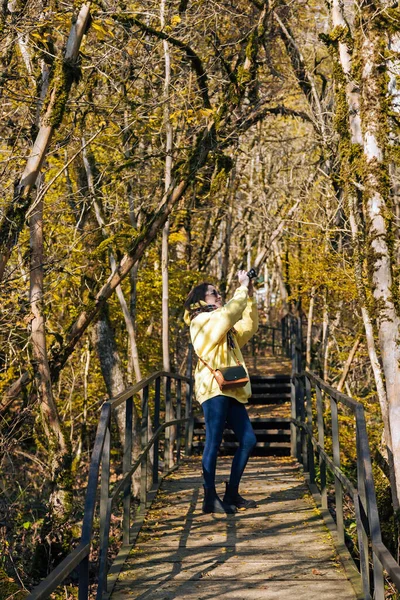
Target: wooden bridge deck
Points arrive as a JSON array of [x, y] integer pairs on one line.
[[277, 551]]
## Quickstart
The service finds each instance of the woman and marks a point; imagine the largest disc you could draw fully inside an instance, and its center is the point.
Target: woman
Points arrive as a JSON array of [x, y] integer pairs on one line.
[[218, 332]]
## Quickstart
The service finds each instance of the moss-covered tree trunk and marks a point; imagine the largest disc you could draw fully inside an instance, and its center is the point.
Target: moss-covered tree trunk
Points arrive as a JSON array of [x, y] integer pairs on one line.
[[50, 430], [64, 74], [379, 214], [361, 122], [58, 445], [309, 328], [103, 339]]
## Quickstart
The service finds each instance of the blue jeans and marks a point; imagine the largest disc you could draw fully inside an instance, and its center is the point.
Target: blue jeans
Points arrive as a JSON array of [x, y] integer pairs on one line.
[[218, 411]]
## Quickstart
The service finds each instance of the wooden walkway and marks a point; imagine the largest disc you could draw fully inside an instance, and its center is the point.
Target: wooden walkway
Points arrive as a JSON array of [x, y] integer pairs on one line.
[[277, 551]]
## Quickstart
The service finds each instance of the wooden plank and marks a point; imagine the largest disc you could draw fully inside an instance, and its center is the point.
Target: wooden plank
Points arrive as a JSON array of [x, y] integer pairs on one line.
[[239, 590], [279, 549]]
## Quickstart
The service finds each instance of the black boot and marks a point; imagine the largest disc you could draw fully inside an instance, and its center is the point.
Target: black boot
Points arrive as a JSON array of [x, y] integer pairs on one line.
[[213, 504], [233, 498]]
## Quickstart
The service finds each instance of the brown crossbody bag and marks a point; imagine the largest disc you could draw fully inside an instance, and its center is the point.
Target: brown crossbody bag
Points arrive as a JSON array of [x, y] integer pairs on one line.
[[229, 378]]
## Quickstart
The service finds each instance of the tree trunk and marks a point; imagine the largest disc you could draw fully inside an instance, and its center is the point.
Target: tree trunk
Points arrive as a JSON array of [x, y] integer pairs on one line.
[[349, 90], [103, 339], [348, 363], [309, 329], [167, 184], [50, 419], [59, 457], [14, 216], [227, 240], [325, 339], [268, 291], [169, 415], [281, 278], [378, 211]]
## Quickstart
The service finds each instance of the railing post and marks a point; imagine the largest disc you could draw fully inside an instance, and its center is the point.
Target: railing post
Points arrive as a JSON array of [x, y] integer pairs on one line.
[[178, 416], [336, 461], [362, 533], [156, 425], [253, 352], [368, 488], [83, 591], [299, 346], [297, 393], [294, 430], [104, 514], [273, 340], [310, 449], [302, 414], [168, 412], [90, 500], [144, 440], [126, 465], [321, 442], [188, 404]]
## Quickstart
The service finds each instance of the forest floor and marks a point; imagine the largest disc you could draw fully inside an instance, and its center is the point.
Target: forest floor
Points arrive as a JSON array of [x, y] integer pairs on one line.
[[278, 550]]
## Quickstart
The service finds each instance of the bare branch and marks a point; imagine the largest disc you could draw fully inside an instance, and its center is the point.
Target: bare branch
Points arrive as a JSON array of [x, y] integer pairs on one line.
[[194, 58]]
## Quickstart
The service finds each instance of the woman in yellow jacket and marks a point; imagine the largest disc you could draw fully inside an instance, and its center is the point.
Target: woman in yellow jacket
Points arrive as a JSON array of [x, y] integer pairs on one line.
[[218, 332]]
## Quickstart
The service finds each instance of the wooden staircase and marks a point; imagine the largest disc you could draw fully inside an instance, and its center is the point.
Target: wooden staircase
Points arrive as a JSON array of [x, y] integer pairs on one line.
[[269, 412]]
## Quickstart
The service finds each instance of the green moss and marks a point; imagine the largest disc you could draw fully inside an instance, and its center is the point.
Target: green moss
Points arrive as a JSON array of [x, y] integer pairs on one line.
[[388, 20], [218, 180], [65, 73], [252, 47], [10, 589], [350, 155], [338, 34], [243, 76], [371, 176]]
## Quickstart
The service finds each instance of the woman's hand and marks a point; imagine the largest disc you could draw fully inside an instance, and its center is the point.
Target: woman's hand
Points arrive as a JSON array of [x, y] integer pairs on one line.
[[243, 278]]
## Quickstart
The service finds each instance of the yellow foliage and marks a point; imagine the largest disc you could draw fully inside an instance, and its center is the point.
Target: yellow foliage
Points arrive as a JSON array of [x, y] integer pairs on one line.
[[175, 20], [102, 31]]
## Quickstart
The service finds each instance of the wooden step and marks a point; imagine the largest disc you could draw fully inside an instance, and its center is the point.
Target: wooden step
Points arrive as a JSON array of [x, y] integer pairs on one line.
[[258, 432], [270, 396], [269, 399], [228, 445], [262, 448], [268, 387], [273, 420], [256, 420], [270, 379]]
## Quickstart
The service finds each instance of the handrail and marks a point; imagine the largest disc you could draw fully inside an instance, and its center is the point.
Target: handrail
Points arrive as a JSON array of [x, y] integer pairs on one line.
[[308, 414], [79, 557], [262, 340], [140, 385], [70, 562]]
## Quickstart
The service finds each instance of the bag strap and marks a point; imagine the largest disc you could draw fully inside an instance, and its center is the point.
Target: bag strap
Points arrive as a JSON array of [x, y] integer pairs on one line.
[[213, 370], [206, 364], [237, 360]]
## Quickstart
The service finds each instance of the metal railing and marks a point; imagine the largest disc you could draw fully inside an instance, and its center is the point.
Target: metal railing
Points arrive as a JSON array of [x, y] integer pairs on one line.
[[267, 337], [276, 338], [311, 397], [99, 495]]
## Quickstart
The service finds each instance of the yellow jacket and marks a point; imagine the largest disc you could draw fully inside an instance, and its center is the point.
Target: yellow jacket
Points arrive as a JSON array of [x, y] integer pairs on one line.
[[208, 332]]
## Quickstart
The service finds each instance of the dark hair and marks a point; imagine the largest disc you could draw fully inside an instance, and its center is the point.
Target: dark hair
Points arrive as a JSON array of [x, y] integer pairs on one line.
[[196, 294]]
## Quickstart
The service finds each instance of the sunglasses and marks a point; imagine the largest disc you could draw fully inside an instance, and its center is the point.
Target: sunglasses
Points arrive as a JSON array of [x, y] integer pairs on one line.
[[213, 293]]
